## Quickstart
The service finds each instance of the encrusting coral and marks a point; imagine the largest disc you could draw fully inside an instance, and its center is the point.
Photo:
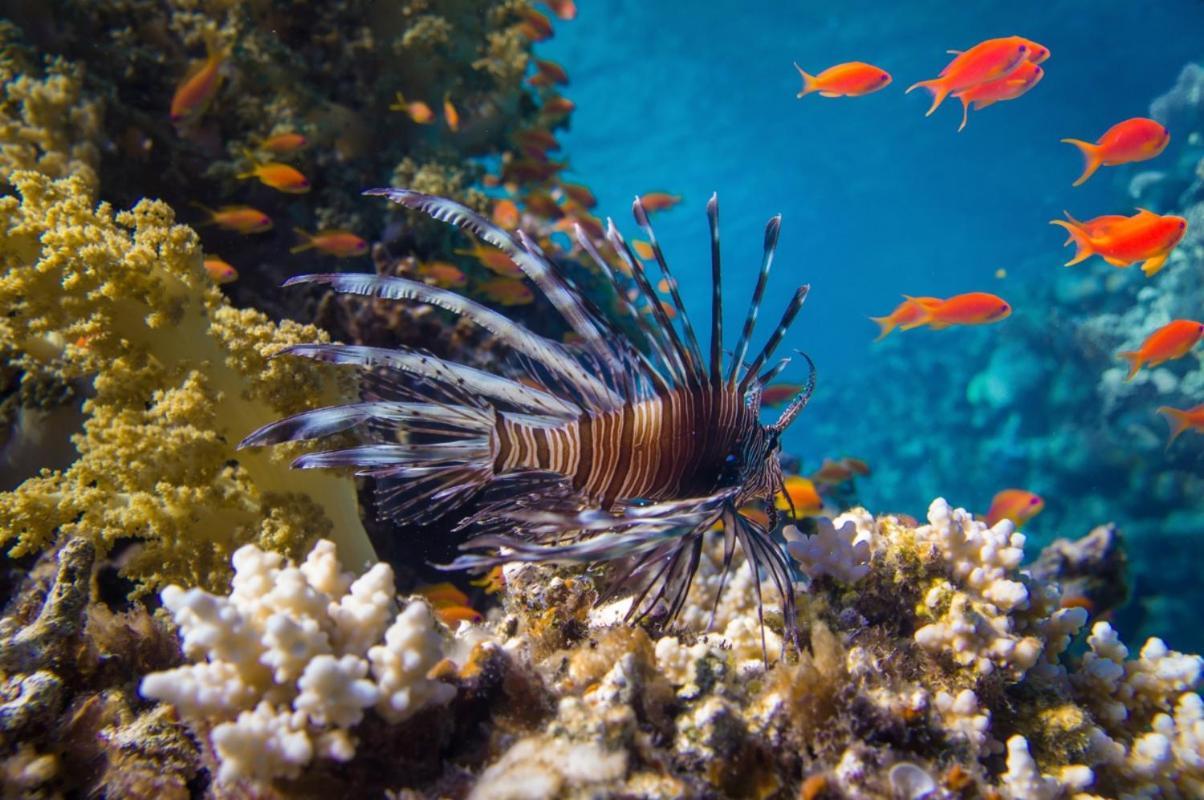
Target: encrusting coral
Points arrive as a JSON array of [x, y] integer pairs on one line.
[[935, 667], [177, 378]]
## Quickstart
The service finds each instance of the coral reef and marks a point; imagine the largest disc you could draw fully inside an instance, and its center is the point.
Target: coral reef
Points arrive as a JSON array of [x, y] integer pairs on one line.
[[174, 378], [935, 666]]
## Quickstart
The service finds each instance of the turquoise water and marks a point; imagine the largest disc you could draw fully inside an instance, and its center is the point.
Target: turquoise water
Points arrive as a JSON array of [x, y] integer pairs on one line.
[[879, 201]]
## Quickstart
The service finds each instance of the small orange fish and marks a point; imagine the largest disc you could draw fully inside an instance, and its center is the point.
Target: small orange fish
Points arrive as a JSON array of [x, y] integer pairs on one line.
[[444, 274], [493, 259], [831, 471], [416, 110], [907, 315], [757, 515], [535, 26], [564, 9], [219, 270], [1077, 601], [579, 194], [777, 394], [280, 177], [200, 85], [241, 219], [452, 616], [1173, 340], [1146, 237], [971, 308], [492, 581], [851, 79], [659, 201], [530, 170], [800, 492], [542, 204], [450, 115], [857, 466], [442, 594], [506, 214], [1181, 419], [1016, 83], [1137, 139], [506, 291], [1017, 505], [548, 73], [536, 141], [642, 249], [558, 106], [283, 143], [983, 62], [332, 242]]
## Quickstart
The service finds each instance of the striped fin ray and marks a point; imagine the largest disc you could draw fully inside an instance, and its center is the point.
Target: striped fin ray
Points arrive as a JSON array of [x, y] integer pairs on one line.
[[762, 553], [677, 357], [541, 273], [547, 352], [694, 362], [434, 369], [772, 230], [651, 334], [775, 338], [774, 371], [384, 459], [800, 400], [336, 419], [418, 496], [716, 292]]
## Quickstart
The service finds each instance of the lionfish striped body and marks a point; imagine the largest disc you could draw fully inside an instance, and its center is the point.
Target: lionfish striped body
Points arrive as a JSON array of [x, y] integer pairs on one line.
[[607, 451]]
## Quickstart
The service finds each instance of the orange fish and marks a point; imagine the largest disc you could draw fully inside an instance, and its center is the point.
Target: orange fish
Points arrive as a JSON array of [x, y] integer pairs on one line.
[[1137, 139], [506, 291], [416, 110], [241, 219], [777, 394], [280, 177], [283, 143], [332, 242], [1017, 82], [907, 315], [536, 141], [444, 274], [579, 194], [558, 106], [800, 492], [659, 201], [1181, 419], [452, 616], [442, 594], [1098, 226], [856, 465], [1017, 505], [492, 581], [1146, 237], [219, 270], [642, 249], [983, 62], [535, 26], [851, 79], [506, 214], [971, 308], [1173, 340], [543, 204], [200, 85], [831, 471], [492, 259], [565, 9], [1036, 54], [450, 115], [548, 73]]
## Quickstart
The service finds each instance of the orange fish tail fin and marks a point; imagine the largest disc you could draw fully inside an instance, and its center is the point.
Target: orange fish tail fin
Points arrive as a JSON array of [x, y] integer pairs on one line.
[[808, 81], [206, 209], [924, 318], [886, 324], [1135, 360], [1091, 159], [1178, 420], [939, 88], [307, 241], [1081, 241]]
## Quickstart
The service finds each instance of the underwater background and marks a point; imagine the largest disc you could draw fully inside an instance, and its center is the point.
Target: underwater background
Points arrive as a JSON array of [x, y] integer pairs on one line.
[[185, 613], [879, 201]]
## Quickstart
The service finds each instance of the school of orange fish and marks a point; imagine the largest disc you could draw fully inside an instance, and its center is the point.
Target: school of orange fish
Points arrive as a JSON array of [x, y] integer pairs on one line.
[[990, 72]]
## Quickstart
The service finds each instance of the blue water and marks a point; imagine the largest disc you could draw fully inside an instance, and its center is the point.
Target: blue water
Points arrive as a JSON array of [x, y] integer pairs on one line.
[[878, 201]]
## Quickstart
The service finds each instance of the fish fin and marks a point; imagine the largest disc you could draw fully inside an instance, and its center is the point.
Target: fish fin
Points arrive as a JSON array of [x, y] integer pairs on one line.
[[1091, 159], [1079, 237], [829, 94], [716, 292], [939, 88], [886, 324], [937, 325], [923, 320], [954, 52], [1134, 358], [1178, 420], [808, 81], [307, 242], [1153, 265], [965, 113], [1116, 262], [772, 230], [207, 210], [1073, 221]]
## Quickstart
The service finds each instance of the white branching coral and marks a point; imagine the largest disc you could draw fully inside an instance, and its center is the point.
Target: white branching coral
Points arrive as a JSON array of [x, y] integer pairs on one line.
[[839, 548], [294, 657]]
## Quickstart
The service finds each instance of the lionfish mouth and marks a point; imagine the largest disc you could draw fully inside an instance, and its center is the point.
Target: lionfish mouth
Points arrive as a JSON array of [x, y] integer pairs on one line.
[[606, 451]]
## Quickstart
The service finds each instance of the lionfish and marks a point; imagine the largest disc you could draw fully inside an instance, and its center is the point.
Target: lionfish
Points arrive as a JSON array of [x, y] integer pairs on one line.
[[608, 450]]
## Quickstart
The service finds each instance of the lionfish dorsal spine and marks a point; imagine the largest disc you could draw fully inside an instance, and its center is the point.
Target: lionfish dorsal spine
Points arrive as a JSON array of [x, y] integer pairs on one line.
[[716, 292], [772, 230]]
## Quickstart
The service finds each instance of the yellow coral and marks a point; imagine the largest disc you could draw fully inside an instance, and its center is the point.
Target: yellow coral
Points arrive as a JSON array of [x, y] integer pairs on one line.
[[179, 378]]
